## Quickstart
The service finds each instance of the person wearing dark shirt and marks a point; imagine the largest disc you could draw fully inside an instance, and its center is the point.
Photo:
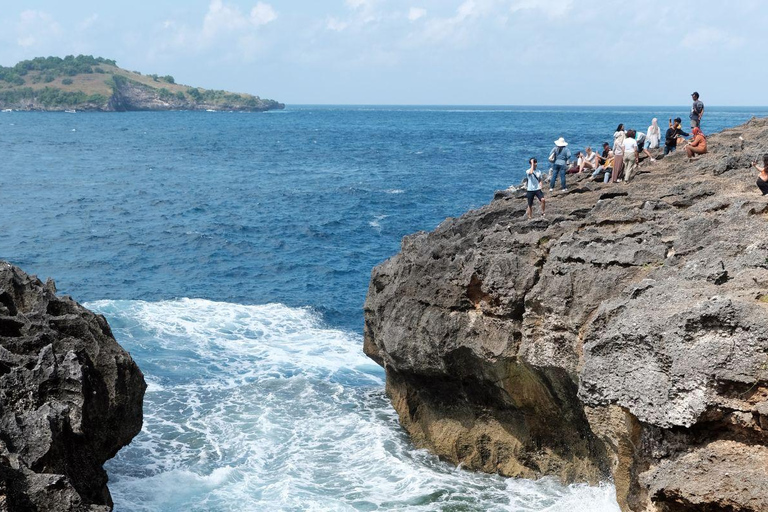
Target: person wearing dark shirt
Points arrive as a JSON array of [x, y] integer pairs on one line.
[[670, 139], [697, 111]]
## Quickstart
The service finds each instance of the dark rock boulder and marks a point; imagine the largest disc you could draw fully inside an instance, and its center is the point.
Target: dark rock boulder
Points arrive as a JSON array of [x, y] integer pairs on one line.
[[625, 335], [70, 398]]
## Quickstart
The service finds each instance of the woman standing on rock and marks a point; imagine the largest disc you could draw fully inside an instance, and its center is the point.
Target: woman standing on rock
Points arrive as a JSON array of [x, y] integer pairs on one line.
[[534, 188], [631, 155], [762, 178], [653, 137], [618, 153]]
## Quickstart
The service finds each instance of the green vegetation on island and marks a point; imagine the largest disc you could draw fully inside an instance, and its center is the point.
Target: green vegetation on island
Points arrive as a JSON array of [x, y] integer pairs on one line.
[[94, 83]]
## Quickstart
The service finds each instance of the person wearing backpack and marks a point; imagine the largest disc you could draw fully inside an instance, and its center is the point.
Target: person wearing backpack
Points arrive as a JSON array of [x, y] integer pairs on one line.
[[560, 157], [534, 188]]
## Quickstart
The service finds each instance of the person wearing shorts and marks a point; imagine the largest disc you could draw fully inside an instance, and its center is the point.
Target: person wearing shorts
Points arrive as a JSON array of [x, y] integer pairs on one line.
[[534, 188], [697, 111]]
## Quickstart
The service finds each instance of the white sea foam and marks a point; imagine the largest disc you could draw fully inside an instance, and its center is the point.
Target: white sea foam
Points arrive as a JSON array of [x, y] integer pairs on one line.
[[265, 408]]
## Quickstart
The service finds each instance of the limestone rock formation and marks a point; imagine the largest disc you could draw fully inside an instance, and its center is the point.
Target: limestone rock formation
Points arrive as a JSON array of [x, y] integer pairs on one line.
[[70, 398], [625, 335]]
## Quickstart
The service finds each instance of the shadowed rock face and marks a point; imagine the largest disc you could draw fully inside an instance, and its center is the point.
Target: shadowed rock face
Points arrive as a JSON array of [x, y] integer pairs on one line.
[[70, 398], [624, 336]]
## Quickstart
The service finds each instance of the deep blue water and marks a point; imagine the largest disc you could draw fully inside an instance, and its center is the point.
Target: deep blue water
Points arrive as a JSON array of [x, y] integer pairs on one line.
[[231, 254], [293, 207]]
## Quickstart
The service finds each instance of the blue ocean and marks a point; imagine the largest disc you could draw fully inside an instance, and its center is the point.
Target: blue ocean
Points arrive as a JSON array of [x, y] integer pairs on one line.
[[231, 254]]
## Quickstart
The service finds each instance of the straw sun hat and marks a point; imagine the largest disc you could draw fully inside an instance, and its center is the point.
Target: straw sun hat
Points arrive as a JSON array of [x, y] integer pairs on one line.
[[561, 142]]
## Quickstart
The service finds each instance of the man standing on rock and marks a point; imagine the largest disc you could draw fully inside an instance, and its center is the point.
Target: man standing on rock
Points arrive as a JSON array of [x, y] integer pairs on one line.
[[534, 188], [697, 111]]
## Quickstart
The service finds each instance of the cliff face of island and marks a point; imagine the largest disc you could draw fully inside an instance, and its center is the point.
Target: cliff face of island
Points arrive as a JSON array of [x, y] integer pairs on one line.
[[89, 83], [624, 336], [70, 398]]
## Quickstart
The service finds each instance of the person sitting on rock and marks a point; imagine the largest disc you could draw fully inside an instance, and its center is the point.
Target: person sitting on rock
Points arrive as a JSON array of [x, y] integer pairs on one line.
[[534, 188], [606, 168], [698, 146], [589, 161], [575, 166], [602, 157], [762, 178]]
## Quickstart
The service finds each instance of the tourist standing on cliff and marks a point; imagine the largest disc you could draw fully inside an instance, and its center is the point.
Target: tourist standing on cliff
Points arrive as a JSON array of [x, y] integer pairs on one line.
[[631, 155], [534, 188], [618, 153], [697, 111], [762, 178], [560, 156]]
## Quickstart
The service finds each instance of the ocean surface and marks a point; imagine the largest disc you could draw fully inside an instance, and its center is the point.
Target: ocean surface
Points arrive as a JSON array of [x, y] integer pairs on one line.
[[231, 254]]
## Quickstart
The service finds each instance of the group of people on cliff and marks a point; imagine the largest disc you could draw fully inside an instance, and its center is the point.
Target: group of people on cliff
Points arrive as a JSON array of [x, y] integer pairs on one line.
[[619, 161]]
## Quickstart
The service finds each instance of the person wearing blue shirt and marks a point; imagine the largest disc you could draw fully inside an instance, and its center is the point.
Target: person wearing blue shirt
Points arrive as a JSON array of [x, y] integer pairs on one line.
[[560, 156], [534, 188]]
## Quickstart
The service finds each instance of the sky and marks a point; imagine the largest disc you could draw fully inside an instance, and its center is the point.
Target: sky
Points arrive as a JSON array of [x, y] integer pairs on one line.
[[417, 52]]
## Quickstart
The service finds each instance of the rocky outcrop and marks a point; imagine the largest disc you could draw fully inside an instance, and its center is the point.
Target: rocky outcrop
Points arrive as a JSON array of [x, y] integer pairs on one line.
[[70, 398], [623, 336], [129, 95]]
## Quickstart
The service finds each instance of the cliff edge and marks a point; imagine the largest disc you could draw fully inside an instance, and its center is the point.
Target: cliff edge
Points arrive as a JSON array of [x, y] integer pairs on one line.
[[70, 398], [623, 336]]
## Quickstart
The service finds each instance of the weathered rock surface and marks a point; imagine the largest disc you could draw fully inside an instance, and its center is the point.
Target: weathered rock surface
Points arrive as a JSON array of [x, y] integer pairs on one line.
[[625, 335], [70, 398]]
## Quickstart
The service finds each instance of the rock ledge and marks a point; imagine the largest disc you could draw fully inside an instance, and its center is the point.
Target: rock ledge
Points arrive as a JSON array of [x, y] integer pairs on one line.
[[70, 398], [623, 336]]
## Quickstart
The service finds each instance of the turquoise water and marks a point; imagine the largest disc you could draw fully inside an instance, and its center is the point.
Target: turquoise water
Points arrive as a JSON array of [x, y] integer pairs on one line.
[[231, 254]]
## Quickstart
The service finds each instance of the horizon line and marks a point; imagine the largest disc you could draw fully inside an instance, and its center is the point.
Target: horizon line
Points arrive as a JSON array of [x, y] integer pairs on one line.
[[491, 105]]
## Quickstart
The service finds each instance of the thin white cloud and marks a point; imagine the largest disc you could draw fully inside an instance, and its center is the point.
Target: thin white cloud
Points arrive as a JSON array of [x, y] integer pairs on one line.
[[709, 36], [336, 24], [262, 14], [416, 13], [454, 28], [552, 8], [89, 22], [35, 28], [223, 18]]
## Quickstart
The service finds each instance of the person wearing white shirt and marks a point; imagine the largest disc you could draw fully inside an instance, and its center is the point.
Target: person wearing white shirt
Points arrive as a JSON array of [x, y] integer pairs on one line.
[[631, 155], [653, 136], [533, 176], [588, 161]]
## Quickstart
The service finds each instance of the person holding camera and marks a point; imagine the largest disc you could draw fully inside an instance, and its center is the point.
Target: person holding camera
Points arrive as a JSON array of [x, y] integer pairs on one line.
[[534, 188], [762, 178], [674, 132]]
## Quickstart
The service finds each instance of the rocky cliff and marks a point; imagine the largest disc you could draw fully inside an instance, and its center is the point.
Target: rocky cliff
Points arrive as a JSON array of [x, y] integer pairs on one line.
[[623, 336], [70, 398]]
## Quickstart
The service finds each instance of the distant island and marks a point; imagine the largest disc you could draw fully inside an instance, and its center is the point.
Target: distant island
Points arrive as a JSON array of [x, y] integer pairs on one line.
[[88, 83]]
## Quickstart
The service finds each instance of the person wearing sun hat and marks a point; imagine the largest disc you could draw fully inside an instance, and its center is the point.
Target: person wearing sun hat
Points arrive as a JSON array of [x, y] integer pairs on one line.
[[560, 156]]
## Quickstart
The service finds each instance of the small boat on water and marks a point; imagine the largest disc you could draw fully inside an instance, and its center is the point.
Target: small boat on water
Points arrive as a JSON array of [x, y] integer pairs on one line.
[[73, 111], [7, 110], [209, 110]]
